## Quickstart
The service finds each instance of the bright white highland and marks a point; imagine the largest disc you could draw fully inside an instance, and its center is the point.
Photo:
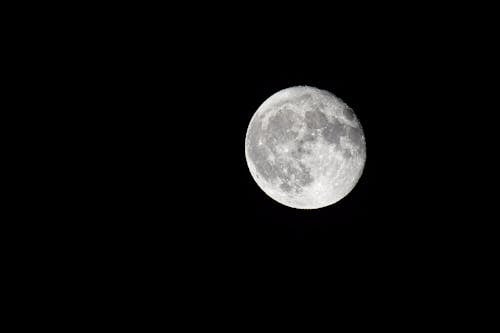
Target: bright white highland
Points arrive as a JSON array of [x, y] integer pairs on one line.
[[305, 148]]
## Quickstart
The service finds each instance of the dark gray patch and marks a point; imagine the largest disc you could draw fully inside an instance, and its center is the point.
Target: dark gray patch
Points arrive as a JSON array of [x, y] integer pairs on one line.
[[297, 153], [303, 176], [347, 153], [300, 149], [286, 187], [333, 131], [308, 137], [280, 126], [356, 136], [315, 119], [348, 113]]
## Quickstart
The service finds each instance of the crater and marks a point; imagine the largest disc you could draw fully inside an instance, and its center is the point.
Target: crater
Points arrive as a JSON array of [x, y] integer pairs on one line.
[[286, 187], [348, 113]]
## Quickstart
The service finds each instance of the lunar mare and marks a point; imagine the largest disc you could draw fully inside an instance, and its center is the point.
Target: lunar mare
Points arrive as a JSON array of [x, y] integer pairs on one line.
[[305, 148]]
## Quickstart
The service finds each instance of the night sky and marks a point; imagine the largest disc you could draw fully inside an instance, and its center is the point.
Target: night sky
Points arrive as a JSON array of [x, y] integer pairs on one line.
[[157, 211], [186, 198], [192, 124]]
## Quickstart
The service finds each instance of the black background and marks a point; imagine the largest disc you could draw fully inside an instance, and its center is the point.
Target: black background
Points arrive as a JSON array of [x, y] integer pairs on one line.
[[185, 123], [173, 198], [156, 208]]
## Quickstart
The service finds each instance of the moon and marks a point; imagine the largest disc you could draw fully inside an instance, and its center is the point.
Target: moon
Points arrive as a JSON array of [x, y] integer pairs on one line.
[[305, 148]]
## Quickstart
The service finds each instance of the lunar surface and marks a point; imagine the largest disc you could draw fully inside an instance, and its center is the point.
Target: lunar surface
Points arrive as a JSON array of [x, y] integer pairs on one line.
[[305, 148]]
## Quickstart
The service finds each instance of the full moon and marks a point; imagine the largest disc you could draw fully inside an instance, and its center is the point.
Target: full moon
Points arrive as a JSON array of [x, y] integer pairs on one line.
[[305, 148]]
